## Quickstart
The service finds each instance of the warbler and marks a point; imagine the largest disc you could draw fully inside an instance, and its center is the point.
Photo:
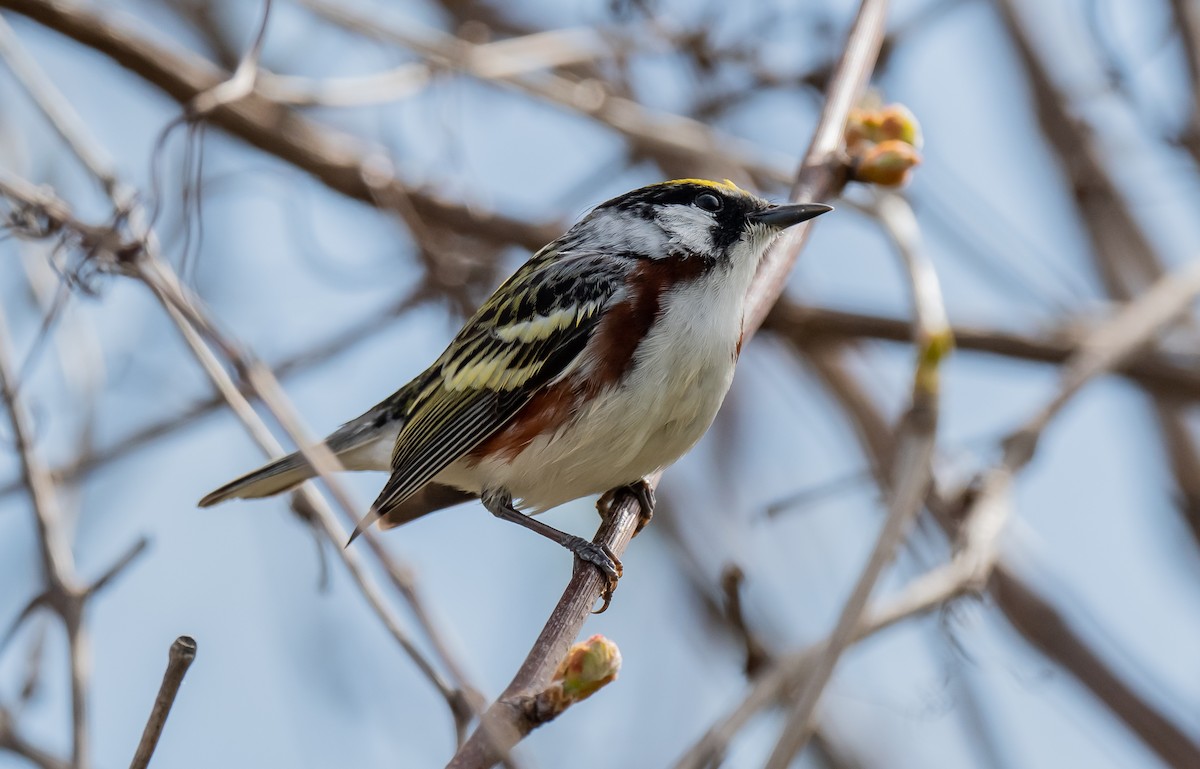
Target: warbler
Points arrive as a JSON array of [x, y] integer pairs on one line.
[[603, 359]]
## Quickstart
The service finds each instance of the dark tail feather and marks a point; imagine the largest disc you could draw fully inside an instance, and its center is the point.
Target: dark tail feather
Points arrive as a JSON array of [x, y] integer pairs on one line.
[[280, 475], [429, 498]]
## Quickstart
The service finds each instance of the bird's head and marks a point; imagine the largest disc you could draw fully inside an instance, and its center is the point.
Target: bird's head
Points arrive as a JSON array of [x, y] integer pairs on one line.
[[707, 223]]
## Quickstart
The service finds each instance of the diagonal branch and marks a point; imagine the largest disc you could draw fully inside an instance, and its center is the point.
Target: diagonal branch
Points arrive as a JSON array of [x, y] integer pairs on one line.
[[1026, 610], [503, 58], [16, 743], [179, 659], [1175, 376], [916, 436], [344, 163], [140, 258], [821, 176], [659, 134], [64, 593], [136, 260], [1122, 251]]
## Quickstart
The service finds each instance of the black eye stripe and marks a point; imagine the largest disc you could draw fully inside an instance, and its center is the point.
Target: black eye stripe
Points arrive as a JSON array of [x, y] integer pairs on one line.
[[707, 201]]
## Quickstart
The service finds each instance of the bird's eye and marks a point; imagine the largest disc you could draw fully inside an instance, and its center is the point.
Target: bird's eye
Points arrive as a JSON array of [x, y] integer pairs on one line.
[[709, 202]]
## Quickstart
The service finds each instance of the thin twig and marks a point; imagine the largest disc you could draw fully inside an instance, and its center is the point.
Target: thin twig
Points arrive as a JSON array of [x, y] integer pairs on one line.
[[182, 308], [1027, 614], [241, 83], [344, 163], [924, 594], [143, 260], [912, 470], [65, 594], [657, 133], [179, 659], [503, 58], [1177, 376], [16, 743]]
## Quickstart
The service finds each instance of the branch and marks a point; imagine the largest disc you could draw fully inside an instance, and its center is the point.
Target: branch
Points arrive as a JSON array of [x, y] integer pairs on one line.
[[140, 258], [179, 659], [821, 175], [503, 58], [16, 743], [137, 259], [812, 326], [184, 310], [965, 575], [822, 172], [1154, 729], [912, 470], [64, 594], [1123, 253], [241, 83], [344, 163], [659, 134]]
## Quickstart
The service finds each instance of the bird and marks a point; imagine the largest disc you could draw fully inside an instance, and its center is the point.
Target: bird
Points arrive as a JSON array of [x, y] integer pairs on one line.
[[603, 359]]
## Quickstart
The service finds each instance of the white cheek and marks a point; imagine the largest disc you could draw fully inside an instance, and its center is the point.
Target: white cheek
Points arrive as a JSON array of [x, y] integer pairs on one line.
[[629, 233], [688, 227]]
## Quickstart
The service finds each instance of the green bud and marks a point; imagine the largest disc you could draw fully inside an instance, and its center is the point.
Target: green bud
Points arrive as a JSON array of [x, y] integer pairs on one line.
[[887, 163], [588, 667]]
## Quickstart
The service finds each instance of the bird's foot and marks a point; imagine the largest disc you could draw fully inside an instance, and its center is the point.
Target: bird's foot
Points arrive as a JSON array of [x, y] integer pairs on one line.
[[640, 490], [603, 559]]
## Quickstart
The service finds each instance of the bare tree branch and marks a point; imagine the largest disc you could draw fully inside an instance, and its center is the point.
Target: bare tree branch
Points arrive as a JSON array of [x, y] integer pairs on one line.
[[135, 259], [1060, 643], [346, 164], [179, 659], [15, 743], [64, 593], [241, 83], [1122, 251], [141, 259], [821, 175], [656, 133], [912, 469], [1171, 376], [500, 59]]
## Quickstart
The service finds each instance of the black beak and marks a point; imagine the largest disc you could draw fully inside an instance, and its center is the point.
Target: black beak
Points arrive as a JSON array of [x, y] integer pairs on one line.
[[786, 216]]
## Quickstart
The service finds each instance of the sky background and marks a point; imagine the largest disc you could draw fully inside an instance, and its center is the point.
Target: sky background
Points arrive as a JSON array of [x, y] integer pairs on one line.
[[294, 669]]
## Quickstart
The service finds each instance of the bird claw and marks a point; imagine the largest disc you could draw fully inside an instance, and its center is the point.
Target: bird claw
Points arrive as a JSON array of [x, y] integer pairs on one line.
[[639, 490], [605, 561]]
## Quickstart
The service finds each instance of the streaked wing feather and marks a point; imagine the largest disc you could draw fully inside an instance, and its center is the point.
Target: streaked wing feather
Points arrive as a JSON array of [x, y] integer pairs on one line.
[[516, 343]]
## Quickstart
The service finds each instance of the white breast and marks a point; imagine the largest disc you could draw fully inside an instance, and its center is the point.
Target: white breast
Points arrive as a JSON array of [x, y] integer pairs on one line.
[[680, 375]]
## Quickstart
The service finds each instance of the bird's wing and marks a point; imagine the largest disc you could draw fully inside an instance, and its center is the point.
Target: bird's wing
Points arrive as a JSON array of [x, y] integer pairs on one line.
[[528, 333]]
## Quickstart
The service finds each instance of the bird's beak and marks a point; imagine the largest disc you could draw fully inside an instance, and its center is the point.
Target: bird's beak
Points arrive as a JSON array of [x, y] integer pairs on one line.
[[786, 216]]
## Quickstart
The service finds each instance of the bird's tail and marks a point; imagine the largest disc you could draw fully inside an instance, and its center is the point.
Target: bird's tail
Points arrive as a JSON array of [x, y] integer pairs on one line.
[[280, 475]]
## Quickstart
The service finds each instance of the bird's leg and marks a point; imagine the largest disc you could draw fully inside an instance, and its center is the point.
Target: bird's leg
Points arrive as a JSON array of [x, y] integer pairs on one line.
[[641, 490], [499, 504]]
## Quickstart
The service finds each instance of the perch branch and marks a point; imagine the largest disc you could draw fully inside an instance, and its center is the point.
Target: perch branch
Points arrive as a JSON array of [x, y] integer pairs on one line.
[[821, 175]]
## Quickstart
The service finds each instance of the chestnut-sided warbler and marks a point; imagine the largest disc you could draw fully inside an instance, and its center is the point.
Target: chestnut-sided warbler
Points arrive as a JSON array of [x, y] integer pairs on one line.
[[603, 359]]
